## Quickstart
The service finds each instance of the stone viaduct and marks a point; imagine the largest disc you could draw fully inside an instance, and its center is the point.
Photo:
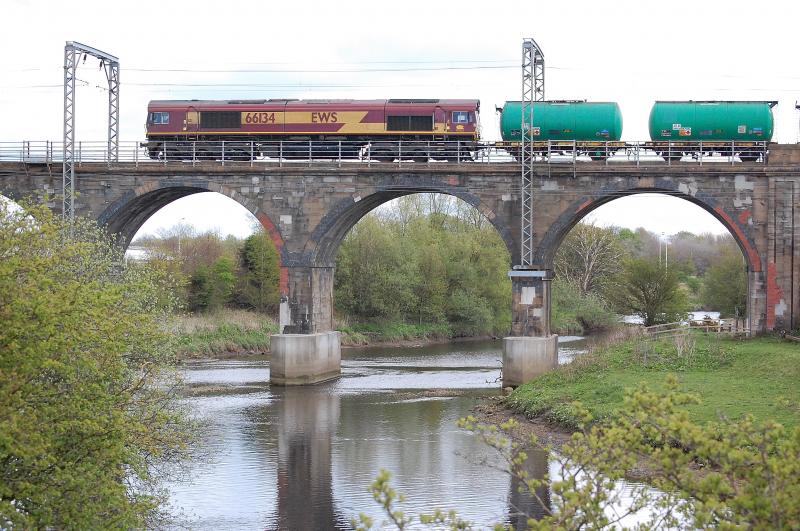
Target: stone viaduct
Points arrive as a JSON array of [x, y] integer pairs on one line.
[[308, 209]]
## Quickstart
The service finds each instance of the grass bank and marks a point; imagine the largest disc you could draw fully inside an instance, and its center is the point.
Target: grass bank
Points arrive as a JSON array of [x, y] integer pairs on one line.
[[223, 331], [236, 331], [732, 378], [361, 334]]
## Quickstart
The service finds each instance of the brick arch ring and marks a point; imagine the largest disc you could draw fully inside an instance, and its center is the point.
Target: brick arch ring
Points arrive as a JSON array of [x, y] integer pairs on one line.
[[546, 249], [127, 214], [322, 247]]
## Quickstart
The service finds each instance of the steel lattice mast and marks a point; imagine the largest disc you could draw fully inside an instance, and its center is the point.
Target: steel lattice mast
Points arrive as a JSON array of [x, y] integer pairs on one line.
[[532, 90], [110, 64]]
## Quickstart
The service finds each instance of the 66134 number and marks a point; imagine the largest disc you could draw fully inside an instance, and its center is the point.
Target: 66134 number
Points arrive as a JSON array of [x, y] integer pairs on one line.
[[256, 118]]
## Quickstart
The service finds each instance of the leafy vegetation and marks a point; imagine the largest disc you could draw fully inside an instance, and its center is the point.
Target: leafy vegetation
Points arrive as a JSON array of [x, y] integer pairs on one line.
[[725, 287], [435, 262], [88, 415], [225, 330], [574, 312], [649, 290], [260, 277], [425, 264]]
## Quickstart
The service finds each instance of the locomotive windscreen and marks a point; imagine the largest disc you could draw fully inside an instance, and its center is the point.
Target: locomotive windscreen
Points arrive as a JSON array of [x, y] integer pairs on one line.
[[220, 120]]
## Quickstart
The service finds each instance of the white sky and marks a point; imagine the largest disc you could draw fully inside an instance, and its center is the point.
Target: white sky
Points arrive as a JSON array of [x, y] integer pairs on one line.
[[632, 52]]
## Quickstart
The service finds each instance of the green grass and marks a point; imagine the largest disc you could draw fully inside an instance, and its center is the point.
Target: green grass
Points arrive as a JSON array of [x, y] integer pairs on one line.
[[732, 378], [223, 331]]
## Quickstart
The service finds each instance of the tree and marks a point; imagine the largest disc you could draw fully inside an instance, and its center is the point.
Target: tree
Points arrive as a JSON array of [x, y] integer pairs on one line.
[[588, 256], [259, 283], [199, 297], [725, 288], [649, 290], [222, 283], [425, 260], [373, 274], [86, 408]]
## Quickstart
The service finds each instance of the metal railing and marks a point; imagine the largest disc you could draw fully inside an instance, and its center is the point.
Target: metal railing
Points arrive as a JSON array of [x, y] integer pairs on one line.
[[398, 153]]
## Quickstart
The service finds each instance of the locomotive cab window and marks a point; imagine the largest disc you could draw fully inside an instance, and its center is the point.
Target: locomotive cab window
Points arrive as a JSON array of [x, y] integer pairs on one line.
[[159, 118], [461, 117]]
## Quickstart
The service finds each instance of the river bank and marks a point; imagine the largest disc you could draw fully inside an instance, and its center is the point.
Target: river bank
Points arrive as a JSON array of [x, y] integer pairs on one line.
[[231, 333], [731, 377]]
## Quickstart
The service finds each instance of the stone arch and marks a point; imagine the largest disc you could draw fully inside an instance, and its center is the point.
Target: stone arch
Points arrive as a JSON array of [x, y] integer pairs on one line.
[[579, 209], [323, 245], [126, 215], [756, 311]]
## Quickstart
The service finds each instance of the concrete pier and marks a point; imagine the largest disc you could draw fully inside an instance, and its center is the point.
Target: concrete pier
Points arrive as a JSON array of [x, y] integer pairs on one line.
[[525, 358], [302, 359]]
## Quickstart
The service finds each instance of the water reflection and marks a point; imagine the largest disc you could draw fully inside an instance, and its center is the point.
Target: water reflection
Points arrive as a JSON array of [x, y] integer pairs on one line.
[[308, 418], [523, 505], [303, 458]]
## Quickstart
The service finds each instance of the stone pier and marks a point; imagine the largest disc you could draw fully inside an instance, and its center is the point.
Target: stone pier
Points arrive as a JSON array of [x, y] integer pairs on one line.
[[531, 350], [303, 359]]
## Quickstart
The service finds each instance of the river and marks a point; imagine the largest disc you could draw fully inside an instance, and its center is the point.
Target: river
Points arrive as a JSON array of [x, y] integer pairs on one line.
[[304, 457]]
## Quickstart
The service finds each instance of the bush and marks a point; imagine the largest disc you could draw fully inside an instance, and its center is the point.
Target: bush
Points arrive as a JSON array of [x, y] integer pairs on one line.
[[576, 313], [86, 407]]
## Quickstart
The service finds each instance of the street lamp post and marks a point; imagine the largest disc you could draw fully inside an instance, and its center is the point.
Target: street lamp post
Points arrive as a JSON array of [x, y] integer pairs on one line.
[[180, 230]]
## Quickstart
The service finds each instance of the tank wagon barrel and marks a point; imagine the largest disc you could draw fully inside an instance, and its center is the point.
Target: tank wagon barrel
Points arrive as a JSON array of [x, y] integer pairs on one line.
[[564, 120], [717, 124], [712, 120], [595, 127]]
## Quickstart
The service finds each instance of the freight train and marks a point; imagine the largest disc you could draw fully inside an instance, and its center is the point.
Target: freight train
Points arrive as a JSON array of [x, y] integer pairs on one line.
[[285, 128]]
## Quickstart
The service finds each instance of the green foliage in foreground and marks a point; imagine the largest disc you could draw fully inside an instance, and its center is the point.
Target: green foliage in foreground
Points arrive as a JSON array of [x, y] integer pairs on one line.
[[88, 412], [721, 475], [732, 377]]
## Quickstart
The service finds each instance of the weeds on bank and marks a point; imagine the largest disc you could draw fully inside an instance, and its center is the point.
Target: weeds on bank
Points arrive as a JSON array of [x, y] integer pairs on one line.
[[224, 331]]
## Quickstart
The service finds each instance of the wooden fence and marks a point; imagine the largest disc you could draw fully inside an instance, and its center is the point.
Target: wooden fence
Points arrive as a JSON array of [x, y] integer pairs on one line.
[[682, 328]]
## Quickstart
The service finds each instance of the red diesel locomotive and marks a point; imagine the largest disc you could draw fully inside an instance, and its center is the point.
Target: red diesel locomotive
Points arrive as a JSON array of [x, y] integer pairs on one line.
[[241, 129]]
